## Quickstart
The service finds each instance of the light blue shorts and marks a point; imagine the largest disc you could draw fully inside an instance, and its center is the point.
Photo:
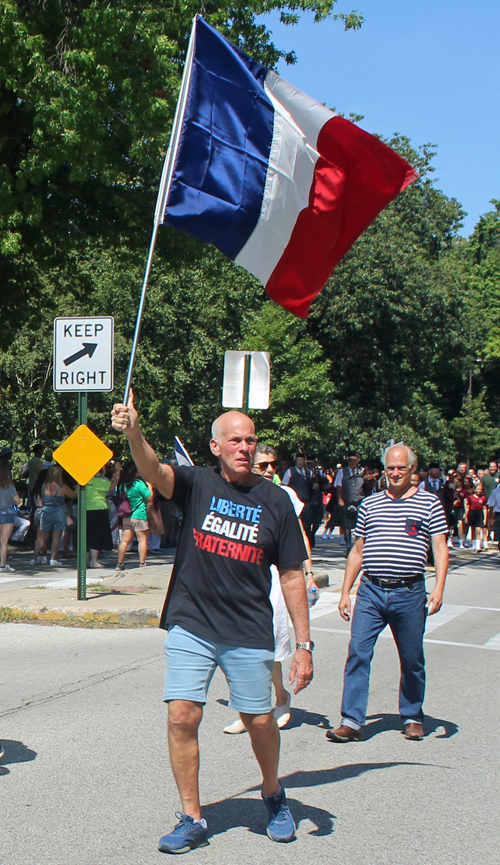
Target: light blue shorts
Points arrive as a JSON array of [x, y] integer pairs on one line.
[[191, 664]]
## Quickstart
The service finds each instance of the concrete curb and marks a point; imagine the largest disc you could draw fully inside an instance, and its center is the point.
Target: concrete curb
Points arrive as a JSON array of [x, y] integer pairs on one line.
[[143, 618]]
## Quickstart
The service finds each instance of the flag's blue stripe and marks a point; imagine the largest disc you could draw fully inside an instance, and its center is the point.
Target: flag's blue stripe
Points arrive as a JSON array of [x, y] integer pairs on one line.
[[221, 166]]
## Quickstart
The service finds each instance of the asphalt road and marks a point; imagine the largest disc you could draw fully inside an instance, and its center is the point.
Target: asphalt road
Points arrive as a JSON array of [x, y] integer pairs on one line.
[[86, 780]]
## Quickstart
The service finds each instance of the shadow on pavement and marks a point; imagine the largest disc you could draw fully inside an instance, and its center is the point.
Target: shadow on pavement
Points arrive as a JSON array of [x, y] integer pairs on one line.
[[15, 752], [380, 723], [313, 719], [478, 562], [251, 814]]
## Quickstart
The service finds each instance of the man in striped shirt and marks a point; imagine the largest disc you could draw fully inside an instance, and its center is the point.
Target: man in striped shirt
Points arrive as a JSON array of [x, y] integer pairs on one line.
[[393, 533]]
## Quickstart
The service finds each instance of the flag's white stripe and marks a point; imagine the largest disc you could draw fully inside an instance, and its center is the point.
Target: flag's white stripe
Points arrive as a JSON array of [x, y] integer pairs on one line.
[[297, 122], [307, 114]]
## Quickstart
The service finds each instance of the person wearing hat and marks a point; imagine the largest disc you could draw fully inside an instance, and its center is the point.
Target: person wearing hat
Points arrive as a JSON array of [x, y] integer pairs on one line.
[[434, 483]]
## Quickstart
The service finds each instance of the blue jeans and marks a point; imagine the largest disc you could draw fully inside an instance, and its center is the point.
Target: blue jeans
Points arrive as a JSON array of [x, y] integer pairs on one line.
[[404, 610]]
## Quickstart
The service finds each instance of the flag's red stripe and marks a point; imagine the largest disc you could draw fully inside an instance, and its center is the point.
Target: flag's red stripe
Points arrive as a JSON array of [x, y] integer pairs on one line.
[[356, 176]]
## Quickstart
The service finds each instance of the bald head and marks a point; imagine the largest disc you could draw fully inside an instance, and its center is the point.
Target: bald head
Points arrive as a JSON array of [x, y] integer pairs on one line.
[[225, 423]]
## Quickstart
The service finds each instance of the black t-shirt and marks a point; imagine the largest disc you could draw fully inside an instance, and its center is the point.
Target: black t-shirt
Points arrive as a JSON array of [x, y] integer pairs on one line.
[[230, 536]]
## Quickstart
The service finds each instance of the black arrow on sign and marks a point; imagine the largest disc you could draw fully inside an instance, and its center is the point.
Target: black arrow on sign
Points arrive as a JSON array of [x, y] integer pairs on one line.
[[88, 348]]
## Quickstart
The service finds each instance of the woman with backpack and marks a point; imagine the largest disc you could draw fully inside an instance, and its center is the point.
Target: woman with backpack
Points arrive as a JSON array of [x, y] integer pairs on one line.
[[132, 510]]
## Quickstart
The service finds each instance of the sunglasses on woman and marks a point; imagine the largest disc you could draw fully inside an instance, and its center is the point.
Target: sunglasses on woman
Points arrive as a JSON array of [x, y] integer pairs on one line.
[[264, 466]]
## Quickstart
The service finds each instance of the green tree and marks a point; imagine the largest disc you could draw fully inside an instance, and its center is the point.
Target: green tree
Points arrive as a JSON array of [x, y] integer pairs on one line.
[[476, 437]]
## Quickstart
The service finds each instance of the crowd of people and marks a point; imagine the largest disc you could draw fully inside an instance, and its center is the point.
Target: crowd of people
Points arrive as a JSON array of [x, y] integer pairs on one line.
[[124, 511], [39, 508], [470, 497]]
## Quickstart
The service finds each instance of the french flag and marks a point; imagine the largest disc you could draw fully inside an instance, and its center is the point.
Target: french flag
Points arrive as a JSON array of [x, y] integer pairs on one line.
[[276, 181]]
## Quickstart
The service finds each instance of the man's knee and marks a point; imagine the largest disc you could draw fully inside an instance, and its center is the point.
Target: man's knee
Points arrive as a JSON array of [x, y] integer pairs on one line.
[[360, 650], [258, 724], [184, 716]]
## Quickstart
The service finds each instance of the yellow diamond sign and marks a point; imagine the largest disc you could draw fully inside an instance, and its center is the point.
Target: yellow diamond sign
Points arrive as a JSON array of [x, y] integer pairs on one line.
[[82, 454]]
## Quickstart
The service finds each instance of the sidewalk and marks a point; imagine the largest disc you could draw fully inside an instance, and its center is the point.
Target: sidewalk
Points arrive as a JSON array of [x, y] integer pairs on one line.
[[131, 597]]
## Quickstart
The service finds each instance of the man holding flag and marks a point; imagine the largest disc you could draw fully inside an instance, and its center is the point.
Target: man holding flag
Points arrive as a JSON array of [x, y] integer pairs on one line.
[[217, 611], [283, 187]]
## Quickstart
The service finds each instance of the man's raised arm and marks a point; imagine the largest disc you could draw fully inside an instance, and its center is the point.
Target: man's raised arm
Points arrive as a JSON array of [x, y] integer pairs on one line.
[[124, 418]]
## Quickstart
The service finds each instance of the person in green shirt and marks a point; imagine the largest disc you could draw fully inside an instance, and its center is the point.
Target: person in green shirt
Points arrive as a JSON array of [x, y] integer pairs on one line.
[[98, 528], [138, 495]]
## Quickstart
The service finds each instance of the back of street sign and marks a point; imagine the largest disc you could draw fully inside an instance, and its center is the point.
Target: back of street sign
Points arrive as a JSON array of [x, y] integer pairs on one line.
[[83, 354]]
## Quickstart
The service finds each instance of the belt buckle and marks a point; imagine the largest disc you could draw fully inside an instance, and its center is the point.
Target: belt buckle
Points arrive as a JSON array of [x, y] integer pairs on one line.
[[388, 584]]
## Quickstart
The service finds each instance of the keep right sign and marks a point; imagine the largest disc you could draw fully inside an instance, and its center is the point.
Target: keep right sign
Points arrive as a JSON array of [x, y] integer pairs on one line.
[[83, 354]]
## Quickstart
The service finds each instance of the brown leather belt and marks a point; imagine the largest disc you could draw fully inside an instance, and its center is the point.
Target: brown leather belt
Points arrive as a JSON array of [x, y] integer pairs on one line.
[[394, 582]]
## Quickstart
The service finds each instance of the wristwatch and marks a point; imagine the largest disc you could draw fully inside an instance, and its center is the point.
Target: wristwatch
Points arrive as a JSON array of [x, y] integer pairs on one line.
[[307, 646]]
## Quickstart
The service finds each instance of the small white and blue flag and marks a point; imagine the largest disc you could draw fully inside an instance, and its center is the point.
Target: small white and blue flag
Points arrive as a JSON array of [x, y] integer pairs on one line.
[[181, 454]]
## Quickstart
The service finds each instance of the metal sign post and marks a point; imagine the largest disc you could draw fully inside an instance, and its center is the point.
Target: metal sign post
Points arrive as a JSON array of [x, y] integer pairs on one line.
[[81, 526], [83, 362], [246, 381]]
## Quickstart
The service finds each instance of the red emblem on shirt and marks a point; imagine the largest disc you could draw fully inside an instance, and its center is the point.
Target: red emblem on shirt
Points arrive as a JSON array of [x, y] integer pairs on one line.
[[413, 527]]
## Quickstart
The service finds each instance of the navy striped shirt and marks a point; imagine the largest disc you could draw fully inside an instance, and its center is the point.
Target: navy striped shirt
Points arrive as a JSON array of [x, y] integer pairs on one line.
[[397, 532]]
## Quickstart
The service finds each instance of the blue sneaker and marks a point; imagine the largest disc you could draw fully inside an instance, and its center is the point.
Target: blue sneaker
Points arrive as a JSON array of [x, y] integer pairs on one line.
[[185, 836], [281, 826]]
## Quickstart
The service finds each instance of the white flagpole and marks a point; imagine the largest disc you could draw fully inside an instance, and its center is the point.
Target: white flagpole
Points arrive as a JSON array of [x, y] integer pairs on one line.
[[163, 190]]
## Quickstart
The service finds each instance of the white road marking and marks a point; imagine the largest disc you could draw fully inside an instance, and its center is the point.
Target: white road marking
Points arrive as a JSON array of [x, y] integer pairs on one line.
[[446, 614], [489, 609], [489, 645], [328, 603], [493, 643], [8, 579]]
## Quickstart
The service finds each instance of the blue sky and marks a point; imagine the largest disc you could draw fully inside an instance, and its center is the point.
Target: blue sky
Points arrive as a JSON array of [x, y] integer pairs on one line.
[[429, 70]]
